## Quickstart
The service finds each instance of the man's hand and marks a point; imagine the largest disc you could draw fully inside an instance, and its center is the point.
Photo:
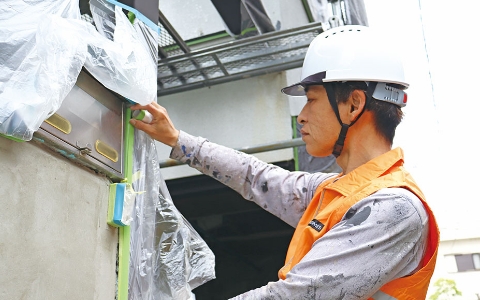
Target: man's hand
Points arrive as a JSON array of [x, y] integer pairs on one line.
[[161, 128]]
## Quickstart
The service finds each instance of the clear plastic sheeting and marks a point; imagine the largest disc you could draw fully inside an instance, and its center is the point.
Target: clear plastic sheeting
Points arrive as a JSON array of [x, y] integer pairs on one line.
[[38, 68], [336, 13], [320, 10], [168, 259], [356, 13], [123, 65], [44, 45], [129, 201]]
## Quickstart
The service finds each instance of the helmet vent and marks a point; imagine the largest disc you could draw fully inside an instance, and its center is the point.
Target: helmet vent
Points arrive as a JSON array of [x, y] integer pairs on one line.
[[343, 30]]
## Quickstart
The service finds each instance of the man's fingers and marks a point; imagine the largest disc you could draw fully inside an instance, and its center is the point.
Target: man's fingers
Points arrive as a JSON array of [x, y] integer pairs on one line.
[[141, 125], [146, 107], [161, 128], [153, 108], [136, 107]]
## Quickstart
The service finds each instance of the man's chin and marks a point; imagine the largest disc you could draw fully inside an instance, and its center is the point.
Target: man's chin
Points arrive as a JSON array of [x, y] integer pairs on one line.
[[316, 152]]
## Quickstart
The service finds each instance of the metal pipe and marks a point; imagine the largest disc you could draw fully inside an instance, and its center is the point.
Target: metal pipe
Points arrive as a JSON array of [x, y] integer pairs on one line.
[[249, 150]]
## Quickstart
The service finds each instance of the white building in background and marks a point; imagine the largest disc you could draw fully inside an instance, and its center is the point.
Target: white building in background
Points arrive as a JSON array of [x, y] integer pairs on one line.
[[459, 260]]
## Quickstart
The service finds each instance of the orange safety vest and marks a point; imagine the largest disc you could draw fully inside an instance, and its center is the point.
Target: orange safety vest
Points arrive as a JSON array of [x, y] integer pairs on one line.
[[338, 197]]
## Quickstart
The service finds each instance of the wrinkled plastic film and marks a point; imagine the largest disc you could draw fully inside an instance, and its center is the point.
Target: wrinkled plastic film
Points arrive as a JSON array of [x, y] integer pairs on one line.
[[123, 65], [37, 67], [320, 10], [103, 14], [129, 201], [356, 13], [149, 39], [44, 46], [168, 258]]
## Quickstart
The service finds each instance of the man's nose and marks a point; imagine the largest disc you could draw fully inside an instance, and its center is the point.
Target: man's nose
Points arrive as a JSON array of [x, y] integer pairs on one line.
[[301, 118]]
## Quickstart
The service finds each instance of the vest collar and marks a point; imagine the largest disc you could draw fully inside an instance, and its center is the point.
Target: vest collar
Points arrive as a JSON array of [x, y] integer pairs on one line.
[[367, 172]]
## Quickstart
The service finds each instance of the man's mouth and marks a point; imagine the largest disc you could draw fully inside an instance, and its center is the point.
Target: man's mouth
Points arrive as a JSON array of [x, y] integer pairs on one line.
[[303, 133]]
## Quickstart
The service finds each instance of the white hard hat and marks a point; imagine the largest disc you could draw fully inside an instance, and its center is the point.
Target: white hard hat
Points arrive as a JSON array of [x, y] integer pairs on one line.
[[353, 53]]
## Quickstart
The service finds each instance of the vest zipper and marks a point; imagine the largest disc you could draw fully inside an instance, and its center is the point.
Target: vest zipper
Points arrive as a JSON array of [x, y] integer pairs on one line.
[[323, 194], [320, 202]]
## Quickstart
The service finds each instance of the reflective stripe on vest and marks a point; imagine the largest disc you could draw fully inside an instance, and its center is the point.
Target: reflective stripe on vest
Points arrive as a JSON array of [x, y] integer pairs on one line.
[[382, 296]]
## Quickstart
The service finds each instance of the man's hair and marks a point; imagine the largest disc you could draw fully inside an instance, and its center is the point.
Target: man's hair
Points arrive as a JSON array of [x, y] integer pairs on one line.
[[387, 116]]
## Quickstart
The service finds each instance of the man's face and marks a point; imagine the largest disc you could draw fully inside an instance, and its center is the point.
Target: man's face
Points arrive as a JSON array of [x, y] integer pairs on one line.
[[320, 126]]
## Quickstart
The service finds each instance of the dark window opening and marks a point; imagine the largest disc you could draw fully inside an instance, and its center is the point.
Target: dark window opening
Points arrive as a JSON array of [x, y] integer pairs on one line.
[[468, 262]]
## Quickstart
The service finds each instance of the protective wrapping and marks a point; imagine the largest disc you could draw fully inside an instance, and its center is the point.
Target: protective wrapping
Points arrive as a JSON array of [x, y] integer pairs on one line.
[[124, 64], [44, 45], [167, 256], [356, 13], [37, 68], [320, 10]]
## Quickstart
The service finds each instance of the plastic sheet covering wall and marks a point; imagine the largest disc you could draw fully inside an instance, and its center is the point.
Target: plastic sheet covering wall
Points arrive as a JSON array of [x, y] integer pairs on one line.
[[123, 64], [320, 10], [356, 13], [43, 46], [168, 258]]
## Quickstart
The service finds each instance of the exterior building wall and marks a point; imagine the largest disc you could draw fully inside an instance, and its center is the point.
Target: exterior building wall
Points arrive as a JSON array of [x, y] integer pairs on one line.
[[248, 112], [54, 242], [466, 282]]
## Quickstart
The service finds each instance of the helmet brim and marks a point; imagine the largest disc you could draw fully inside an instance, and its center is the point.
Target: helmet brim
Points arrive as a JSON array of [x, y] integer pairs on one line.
[[299, 88], [295, 90]]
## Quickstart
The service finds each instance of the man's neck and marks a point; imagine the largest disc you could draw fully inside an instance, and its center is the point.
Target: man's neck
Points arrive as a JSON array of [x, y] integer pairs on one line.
[[362, 144]]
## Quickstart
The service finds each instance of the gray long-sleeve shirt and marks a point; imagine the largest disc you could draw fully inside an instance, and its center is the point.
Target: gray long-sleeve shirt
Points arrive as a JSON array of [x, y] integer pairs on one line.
[[351, 261]]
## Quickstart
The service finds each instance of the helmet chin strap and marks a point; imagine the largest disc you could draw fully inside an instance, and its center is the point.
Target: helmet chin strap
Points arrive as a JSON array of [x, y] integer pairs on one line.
[[338, 147]]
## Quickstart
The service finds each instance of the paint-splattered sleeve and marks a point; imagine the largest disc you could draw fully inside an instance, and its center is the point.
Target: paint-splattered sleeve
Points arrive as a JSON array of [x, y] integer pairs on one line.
[[283, 193], [379, 239]]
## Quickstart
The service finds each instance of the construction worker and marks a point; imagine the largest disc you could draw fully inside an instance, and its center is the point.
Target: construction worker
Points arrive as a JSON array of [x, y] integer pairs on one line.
[[366, 233]]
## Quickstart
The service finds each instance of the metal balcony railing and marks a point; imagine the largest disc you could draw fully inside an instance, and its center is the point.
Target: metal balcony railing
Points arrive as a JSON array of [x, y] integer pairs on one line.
[[181, 69]]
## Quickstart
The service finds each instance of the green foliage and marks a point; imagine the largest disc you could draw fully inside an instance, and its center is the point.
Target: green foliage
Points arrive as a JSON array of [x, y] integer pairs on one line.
[[131, 16], [445, 289]]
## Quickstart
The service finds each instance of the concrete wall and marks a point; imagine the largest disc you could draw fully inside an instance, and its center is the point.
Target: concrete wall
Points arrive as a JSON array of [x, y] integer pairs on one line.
[[237, 114], [54, 240]]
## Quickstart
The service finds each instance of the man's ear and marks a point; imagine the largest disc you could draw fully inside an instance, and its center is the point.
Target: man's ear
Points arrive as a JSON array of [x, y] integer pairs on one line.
[[357, 103]]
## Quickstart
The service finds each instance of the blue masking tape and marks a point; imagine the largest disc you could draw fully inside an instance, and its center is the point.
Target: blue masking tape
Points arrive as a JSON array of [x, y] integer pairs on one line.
[[119, 202]]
